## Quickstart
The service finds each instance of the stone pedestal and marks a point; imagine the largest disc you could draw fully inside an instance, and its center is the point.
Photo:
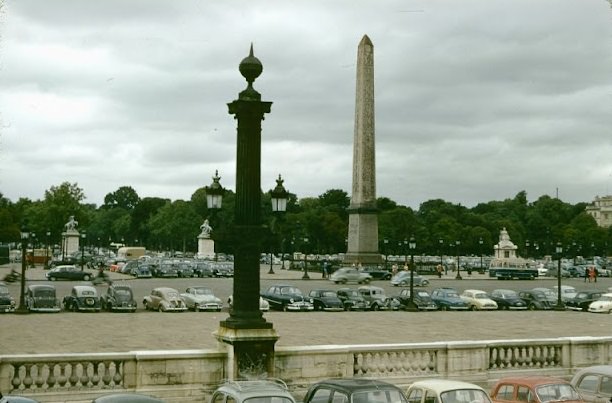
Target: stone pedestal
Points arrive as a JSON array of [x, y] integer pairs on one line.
[[250, 351], [206, 247], [71, 242]]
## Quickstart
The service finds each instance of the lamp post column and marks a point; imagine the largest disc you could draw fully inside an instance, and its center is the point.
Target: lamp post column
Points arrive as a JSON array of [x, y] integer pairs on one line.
[[411, 305], [458, 276], [560, 306], [24, 245], [480, 242], [305, 276], [46, 266]]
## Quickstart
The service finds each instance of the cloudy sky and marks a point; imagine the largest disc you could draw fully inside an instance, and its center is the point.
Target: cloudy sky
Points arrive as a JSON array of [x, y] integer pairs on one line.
[[476, 100]]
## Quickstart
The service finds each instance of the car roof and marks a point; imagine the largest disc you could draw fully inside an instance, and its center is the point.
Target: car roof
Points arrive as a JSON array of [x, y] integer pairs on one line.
[[474, 291], [81, 288], [41, 286], [599, 369], [355, 384], [249, 389], [165, 289], [531, 380], [443, 385]]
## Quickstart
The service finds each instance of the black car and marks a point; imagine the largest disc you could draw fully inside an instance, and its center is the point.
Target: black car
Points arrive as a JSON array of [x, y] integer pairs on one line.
[[352, 299], [508, 300], [448, 299], [68, 272], [287, 298], [422, 299], [582, 300], [184, 269], [326, 300], [7, 303], [165, 269], [119, 297], [41, 298], [377, 273], [82, 298], [354, 390], [536, 300]]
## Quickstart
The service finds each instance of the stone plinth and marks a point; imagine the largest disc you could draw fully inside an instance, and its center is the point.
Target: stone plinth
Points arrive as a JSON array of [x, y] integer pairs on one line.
[[206, 247], [71, 241]]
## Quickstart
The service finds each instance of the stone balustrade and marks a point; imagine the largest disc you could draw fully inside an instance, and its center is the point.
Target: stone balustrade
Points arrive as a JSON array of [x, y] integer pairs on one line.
[[191, 375]]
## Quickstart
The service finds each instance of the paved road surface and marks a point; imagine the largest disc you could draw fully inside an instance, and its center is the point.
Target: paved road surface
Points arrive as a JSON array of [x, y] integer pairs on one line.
[[116, 332]]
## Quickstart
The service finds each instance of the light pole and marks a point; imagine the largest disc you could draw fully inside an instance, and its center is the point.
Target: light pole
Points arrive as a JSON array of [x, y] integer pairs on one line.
[[47, 250], [560, 306], [411, 305], [405, 254], [305, 276], [480, 242], [214, 199], [386, 244], [458, 276], [83, 237], [33, 243], [24, 244], [441, 242], [278, 197]]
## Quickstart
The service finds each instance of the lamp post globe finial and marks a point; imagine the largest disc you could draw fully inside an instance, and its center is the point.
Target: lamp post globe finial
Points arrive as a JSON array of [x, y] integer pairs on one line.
[[250, 67]]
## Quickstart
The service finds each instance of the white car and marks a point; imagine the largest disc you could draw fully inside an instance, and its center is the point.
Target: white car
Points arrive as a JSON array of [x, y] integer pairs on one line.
[[201, 299], [264, 306], [478, 300], [446, 391], [567, 292], [603, 304]]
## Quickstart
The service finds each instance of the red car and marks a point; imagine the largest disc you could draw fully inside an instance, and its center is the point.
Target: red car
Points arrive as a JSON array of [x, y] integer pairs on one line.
[[534, 389]]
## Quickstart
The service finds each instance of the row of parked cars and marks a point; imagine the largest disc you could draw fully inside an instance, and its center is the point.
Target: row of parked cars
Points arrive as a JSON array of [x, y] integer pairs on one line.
[[588, 385], [158, 267]]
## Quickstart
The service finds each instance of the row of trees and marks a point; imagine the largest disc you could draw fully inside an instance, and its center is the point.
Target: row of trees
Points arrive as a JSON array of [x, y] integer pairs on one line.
[[313, 225]]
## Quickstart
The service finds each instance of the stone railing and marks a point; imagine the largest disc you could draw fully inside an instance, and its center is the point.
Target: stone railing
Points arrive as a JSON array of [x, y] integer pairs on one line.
[[192, 375]]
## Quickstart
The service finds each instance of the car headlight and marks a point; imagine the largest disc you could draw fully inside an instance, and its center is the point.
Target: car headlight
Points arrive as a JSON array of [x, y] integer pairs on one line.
[[291, 300], [311, 301]]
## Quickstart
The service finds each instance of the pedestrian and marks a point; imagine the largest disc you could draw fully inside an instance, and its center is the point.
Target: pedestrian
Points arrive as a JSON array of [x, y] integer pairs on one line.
[[595, 273], [325, 269], [586, 274], [591, 274], [439, 270], [394, 269]]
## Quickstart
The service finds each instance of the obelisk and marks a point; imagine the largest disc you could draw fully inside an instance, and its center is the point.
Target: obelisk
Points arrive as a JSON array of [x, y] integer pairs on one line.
[[362, 245]]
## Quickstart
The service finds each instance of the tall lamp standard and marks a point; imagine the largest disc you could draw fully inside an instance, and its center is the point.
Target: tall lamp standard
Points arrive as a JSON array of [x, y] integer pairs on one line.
[[278, 196], [47, 250], [411, 305], [305, 276], [441, 242], [33, 243], [24, 244], [214, 197], [458, 276], [560, 306], [83, 238], [480, 242]]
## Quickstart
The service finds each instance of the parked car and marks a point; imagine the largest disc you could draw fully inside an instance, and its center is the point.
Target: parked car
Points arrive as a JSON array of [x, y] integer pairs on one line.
[[256, 391], [448, 299], [82, 298], [325, 300], [350, 275], [508, 300], [582, 300], [222, 269], [42, 298], [264, 306], [119, 297], [377, 273], [201, 299], [602, 305], [287, 298], [142, 271], [7, 303], [422, 299], [377, 299], [352, 299], [353, 390], [68, 272], [594, 383], [567, 292], [164, 299], [534, 388], [127, 398], [403, 279], [16, 399], [184, 269], [445, 391], [165, 269], [535, 300], [202, 269], [478, 300]]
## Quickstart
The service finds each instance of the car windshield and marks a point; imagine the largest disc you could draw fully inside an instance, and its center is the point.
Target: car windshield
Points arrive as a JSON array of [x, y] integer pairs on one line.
[[422, 294], [3, 290], [123, 291], [556, 392], [45, 292], [268, 399], [451, 294], [464, 396], [172, 294], [353, 293], [290, 290], [328, 294], [203, 291], [378, 396], [481, 295]]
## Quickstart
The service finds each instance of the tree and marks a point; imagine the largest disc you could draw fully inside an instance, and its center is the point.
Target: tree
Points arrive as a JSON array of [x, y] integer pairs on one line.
[[125, 197]]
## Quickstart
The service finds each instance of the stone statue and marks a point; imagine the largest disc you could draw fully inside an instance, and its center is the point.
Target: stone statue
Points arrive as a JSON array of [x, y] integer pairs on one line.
[[206, 229], [72, 224]]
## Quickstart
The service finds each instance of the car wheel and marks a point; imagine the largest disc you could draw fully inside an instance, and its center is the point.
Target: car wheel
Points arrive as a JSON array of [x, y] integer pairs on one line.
[[367, 281], [473, 308], [86, 277], [196, 308], [531, 307], [109, 307], [285, 308], [52, 278], [425, 283], [74, 307], [343, 281], [444, 308], [336, 282], [160, 308], [403, 283], [375, 307]]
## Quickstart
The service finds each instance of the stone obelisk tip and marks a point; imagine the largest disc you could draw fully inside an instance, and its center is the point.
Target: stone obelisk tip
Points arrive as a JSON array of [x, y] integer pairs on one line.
[[365, 41]]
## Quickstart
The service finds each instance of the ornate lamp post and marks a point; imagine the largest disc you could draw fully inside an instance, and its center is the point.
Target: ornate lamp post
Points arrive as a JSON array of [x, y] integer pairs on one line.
[[47, 250], [411, 305], [480, 242], [458, 276], [24, 245], [278, 197], [305, 276], [560, 306], [83, 238], [33, 243], [441, 242], [214, 197], [386, 244], [405, 254]]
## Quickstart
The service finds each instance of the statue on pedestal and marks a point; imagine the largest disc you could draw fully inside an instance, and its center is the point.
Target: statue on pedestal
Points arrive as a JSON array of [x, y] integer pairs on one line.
[[72, 224], [206, 229]]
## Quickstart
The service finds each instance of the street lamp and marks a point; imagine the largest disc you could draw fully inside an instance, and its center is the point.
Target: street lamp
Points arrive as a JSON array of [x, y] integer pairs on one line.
[[441, 242], [411, 305], [480, 242], [305, 276], [405, 254], [33, 243], [47, 250], [386, 243], [278, 197], [83, 237], [214, 198], [458, 276], [24, 244], [560, 306]]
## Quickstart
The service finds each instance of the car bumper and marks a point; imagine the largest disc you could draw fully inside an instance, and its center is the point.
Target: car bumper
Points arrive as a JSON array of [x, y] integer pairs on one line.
[[598, 310], [9, 308], [427, 307], [174, 309], [55, 309], [300, 307], [573, 308], [517, 308], [209, 307], [457, 308], [333, 309]]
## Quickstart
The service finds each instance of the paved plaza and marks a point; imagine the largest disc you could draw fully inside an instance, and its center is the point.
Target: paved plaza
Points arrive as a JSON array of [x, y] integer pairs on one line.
[[68, 332]]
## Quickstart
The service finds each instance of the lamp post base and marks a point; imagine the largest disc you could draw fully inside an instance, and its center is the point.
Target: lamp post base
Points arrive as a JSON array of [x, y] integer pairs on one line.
[[271, 271], [21, 311], [458, 277], [559, 307], [411, 307], [305, 276]]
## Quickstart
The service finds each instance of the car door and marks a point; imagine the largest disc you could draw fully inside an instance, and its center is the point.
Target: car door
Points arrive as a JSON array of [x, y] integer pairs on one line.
[[595, 388]]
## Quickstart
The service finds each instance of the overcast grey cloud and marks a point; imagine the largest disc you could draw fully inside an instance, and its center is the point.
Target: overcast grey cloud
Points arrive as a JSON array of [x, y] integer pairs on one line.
[[476, 100]]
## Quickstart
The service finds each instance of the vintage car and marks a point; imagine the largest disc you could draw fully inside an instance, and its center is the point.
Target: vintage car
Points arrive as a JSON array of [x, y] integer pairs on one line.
[[350, 275], [41, 298], [326, 300], [421, 298], [203, 269], [7, 303], [402, 279], [478, 300], [567, 292], [602, 305], [201, 299], [536, 300], [594, 383], [164, 299], [377, 299], [352, 299], [127, 397], [264, 306], [377, 273], [82, 298], [68, 272], [533, 388], [119, 297], [508, 300], [165, 269], [257, 391], [354, 390], [142, 271], [16, 399], [582, 300], [287, 298], [448, 299], [184, 269], [446, 391]]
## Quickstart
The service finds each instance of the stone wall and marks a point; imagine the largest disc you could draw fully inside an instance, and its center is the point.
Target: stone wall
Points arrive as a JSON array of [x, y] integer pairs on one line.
[[191, 375]]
